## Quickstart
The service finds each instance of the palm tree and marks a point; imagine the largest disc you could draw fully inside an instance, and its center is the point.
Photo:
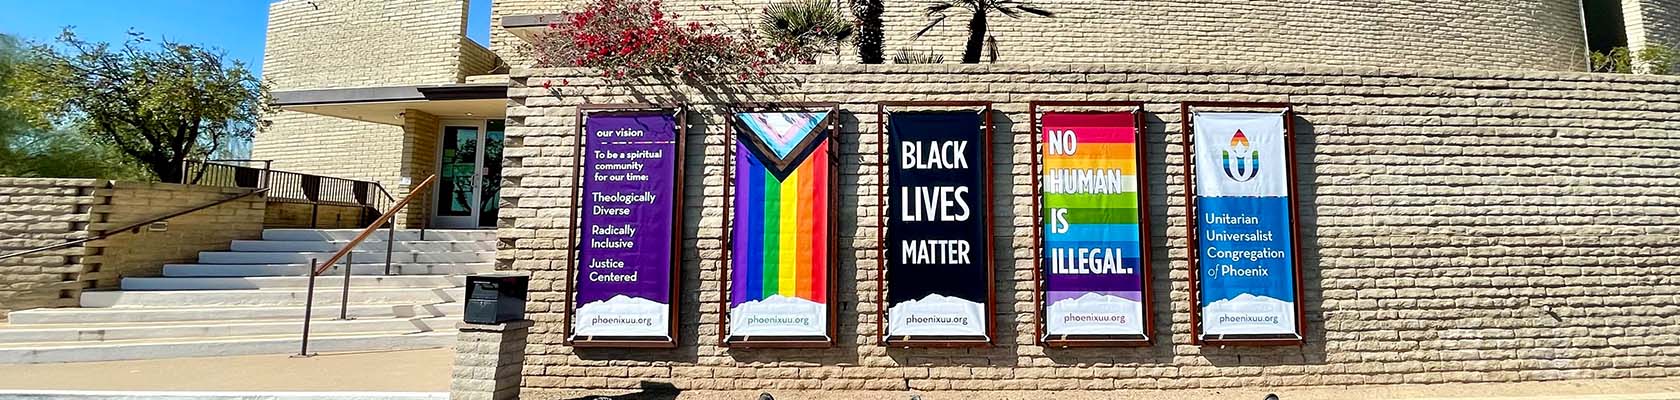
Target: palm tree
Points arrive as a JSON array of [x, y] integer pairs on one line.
[[870, 39], [977, 25], [800, 29]]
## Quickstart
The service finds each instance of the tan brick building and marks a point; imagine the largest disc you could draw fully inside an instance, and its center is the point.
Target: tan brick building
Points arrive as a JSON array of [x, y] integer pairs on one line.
[[372, 87], [1435, 128]]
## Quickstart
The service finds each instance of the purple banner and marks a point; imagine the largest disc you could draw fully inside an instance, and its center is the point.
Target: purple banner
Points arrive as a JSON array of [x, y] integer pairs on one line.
[[628, 225]]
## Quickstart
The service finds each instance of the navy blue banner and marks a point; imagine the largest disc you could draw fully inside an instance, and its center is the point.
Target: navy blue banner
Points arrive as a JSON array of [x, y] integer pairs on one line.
[[936, 245]]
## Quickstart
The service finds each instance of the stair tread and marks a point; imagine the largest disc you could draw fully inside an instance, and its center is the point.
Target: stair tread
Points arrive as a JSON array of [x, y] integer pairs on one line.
[[213, 340], [287, 264], [216, 307], [223, 322], [318, 288]]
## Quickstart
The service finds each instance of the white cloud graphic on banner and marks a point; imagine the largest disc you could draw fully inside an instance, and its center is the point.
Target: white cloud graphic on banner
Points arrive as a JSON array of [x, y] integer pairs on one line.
[[1094, 314], [623, 316], [937, 315], [1248, 314], [779, 316]]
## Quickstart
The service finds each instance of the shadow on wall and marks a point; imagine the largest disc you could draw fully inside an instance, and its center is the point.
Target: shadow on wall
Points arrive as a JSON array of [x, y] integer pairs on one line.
[[857, 327], [649, 391]]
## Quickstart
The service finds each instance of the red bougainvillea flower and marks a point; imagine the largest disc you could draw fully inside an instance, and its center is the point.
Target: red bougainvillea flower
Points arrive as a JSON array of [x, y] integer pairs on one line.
[[624, 38]]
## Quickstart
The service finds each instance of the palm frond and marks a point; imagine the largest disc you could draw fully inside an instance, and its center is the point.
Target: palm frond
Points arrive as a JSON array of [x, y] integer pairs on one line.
[[1036, 11], [929, 27], [937, 8]]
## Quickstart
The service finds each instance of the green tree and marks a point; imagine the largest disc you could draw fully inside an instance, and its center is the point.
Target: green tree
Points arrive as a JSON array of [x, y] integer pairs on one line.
[[158, 105], [1654, 58], [977, 23], [29, 146]]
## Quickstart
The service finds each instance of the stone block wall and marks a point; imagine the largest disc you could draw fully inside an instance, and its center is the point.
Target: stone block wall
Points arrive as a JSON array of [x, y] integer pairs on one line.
[[37, 212], [1492, 34], [321, 44], [1659, 23], [301, 215], [1456, 226], [145, 252]]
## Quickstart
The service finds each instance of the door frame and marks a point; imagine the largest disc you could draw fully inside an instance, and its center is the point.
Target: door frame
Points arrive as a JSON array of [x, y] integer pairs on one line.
[[469, 221]]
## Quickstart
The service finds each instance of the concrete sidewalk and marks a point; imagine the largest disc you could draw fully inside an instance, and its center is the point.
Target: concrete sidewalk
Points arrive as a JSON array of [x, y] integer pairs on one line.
[[1614, 389], [380, 371]]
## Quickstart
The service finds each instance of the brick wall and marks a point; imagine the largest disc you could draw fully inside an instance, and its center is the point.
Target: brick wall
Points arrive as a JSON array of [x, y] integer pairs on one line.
[[37, 212], [420, 159], [301, 215], [318, 44], [1494, 34], [1659, 22], [144, 253], [1457, 226], [40, 212]]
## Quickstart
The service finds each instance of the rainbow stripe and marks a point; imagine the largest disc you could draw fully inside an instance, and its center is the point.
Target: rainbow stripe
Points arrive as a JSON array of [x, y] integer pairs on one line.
[[1090, 203], [781, 239]]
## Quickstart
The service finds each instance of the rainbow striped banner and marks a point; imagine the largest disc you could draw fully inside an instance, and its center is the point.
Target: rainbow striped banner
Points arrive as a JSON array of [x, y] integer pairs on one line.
[[1093, 242], [783, 213]]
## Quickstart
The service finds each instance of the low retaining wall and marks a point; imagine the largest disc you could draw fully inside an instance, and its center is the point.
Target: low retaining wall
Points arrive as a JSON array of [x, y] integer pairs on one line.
[[39, 212], [303, 215], [1456, 226]]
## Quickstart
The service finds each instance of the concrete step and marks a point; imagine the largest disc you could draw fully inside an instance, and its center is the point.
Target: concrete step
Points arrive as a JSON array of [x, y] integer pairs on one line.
[[279, 282], [402, 234], [16, 394], [372, 246], [243, 345], [301, 269], [164, 314], [16, 335], [266, 297], [357, 257]]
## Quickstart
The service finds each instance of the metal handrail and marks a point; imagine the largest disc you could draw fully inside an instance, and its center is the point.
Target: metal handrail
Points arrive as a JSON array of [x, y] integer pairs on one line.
[[316, 268], [134, 226], [290, 187]]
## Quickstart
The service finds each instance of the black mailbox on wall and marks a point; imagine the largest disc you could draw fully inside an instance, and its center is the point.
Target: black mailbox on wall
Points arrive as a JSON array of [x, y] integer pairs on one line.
[[495, 298]]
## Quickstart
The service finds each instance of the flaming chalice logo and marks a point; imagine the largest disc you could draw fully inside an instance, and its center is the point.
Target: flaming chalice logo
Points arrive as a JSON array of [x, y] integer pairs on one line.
[[1242, 162]]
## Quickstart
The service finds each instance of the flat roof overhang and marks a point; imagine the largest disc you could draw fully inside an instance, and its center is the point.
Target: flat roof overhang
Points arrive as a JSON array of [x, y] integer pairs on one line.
[[385, 105], [527, 26]]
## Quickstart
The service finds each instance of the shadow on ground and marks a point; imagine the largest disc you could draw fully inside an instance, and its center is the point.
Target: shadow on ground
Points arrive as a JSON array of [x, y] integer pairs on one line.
[[649, 391]]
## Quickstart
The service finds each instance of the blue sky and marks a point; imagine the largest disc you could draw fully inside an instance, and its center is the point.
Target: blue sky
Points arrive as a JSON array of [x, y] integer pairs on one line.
[[235, 26]]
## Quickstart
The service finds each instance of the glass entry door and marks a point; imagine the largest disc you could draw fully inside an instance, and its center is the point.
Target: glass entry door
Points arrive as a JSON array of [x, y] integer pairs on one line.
[[469, 175]]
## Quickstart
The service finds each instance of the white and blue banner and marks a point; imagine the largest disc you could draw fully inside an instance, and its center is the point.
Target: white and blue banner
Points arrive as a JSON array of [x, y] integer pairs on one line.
[[1245, 263]]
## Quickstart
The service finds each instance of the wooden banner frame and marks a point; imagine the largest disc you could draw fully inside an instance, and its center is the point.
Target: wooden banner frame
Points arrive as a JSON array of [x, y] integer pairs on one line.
[[674, 316], [726, 276], [1192, 253], [987, 127], [1145, 242]]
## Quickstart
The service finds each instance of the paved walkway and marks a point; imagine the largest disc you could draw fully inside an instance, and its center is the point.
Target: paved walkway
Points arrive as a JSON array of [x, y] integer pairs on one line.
[[428, 371], [381, 371], [1622, 389]]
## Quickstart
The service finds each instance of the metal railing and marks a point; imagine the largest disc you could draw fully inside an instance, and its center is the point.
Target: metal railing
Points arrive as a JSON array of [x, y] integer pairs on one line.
[[290, 187], [316, 268], [134, 227]]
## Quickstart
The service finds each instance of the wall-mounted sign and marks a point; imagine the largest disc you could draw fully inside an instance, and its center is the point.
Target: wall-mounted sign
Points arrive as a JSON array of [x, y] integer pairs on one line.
[[782, 235], [1095, 230], [1247, 281], [628, 228], [938, 240]]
